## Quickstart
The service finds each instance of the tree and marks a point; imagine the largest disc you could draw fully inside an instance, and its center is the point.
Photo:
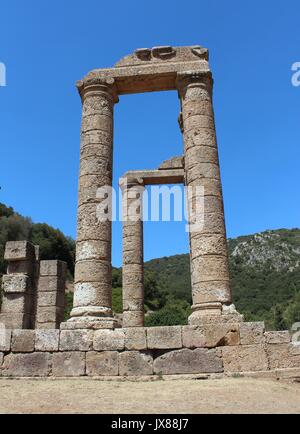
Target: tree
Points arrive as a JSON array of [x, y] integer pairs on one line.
[[175, 312], [279, 323]]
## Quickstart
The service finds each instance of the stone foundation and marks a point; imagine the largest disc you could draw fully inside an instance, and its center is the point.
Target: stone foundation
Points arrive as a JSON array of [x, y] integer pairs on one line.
[[221, 349]]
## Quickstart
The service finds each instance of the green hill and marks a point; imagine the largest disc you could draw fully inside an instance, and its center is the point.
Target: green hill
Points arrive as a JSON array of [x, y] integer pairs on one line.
[[265, 279], [264, 267]]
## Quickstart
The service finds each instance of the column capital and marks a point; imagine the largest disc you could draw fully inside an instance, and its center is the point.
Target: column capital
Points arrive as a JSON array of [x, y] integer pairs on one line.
[[92, 85], [127, 182], [188, 79]]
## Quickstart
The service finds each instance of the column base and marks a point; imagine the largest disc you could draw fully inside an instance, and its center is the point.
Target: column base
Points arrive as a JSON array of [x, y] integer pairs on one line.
[[90, 322], [213, 313]]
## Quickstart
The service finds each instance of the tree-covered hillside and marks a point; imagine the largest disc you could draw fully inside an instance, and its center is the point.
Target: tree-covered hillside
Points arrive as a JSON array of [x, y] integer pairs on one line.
[[53, 243], [265, 280]]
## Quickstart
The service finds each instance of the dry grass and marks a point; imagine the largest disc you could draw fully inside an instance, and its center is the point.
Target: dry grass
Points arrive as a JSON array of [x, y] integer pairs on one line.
[[231, 395]]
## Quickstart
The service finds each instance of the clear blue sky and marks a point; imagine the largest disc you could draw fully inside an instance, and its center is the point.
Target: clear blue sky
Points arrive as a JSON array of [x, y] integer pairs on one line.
[[48, 45]]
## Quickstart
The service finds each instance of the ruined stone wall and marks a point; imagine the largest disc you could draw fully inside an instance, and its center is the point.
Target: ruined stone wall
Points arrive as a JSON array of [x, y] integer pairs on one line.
[[51, 294], [33, 291], [19, 285], [223, 349]]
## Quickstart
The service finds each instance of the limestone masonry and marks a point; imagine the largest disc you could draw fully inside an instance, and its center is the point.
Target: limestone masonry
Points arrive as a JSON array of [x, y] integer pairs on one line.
[[34, 340]]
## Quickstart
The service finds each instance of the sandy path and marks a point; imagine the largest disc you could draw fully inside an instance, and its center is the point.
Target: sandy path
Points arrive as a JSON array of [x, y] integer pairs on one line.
[[232, 395]]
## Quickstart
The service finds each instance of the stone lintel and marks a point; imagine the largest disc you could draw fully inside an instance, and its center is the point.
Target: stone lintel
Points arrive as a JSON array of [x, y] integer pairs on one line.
[[149, 70], [152, 177]]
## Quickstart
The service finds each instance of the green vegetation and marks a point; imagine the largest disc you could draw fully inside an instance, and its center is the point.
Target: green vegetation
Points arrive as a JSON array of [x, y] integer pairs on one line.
[[53, 243], [265, 273], [265, 280]]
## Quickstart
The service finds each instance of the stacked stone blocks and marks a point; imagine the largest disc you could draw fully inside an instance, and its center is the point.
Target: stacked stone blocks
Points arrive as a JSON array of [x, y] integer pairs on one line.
[[224, 349], [33, 291], [51, 294], [18, 285]]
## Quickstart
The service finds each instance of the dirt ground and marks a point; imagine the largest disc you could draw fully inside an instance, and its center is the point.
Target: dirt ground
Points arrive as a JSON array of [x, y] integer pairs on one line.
[[231, 395]]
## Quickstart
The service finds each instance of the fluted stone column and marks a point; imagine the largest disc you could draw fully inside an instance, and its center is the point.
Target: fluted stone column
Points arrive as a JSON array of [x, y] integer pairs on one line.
[[208, 249], [133, 257], [93, 280]]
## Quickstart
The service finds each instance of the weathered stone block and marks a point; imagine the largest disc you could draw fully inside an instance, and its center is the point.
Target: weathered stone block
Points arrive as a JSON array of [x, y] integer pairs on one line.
[[210, 267], [88, 226], [92, 249], [94, 140], [278, 337], [92, 271], [76, 340], [252, 333], [132, 257], [19, 251], [135, 338], [87, 323], [135, 363], [51, 283], [209, 244], [20, 267], [92, 294], [1, 359], [133, 305], [104, 363], [53, 268], [16, 320], [68, 364], [109, 340], [51, 298], [48, 314], [193, 337], [15, 283], [164, 337], [186, 361], [27, 365], [47, 326], [245, 358], [133, 318], [206, 292], [46, 340], [96, 122], [283, 355], [17, 303], [5, 338], [222, 334], [22, 341]]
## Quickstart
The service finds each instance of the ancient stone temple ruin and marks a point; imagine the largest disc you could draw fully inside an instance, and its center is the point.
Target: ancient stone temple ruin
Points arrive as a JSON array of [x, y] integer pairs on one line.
[[36, 342]]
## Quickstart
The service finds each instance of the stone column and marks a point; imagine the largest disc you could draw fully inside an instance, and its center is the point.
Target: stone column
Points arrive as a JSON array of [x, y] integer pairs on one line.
[[208, 248], [133, 255], [93, 281]]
